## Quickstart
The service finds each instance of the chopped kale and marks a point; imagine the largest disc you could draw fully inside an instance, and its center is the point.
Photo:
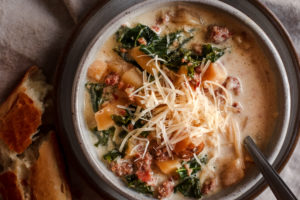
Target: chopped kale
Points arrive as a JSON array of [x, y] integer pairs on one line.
[[126, 120], [189, 187], [182, 172], [112, 155], [103, 136], [194, 165], [170, 47], [145, 133], [191, 71], [121, 120], [161, 46], [128, 37], [123, 134], [137, 185], [96, 91], [212, 53]]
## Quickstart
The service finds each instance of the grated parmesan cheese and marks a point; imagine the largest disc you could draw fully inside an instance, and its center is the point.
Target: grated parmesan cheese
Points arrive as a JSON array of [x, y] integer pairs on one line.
[[181, 112]]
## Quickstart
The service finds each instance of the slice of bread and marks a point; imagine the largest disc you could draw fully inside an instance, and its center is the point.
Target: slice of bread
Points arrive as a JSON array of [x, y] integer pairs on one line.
[[29, 168], [47, 180], [21, 113]]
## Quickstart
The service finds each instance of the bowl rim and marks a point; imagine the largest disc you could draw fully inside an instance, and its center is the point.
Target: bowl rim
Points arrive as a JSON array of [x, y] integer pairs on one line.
[[62, 63]]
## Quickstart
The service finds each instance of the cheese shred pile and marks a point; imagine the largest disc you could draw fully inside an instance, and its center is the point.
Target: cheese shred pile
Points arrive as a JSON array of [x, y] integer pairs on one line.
[[178, 112]]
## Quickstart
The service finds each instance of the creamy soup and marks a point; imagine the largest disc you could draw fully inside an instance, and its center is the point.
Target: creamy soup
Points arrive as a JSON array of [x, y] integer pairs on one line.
[[171, 96]]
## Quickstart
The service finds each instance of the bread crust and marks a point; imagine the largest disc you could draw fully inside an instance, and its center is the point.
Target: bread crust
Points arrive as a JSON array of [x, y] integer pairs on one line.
[[47, 179], [10, 186], [38, 173], [20, 116], [20, 123]]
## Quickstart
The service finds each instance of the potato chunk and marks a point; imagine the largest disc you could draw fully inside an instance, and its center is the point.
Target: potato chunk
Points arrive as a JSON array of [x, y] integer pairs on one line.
[[96, 70], [133, 77], [215, 72], [103, 116], [118, 66], [168, 166], [142, 59]]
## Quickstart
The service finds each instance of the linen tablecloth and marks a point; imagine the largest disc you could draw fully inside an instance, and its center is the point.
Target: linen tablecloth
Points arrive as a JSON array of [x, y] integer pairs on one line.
[[35, 32]]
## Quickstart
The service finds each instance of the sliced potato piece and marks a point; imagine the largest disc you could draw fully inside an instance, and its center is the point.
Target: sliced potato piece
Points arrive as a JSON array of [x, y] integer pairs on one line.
[[103, 116], [142, 59], [133, 77], [96, 70], [215, 72], [118, 66], [129, 151], [168, 166]]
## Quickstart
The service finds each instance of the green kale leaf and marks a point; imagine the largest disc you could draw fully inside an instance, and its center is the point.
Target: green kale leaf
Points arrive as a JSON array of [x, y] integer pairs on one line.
[[189, 187], [182, 172], [125, 120], [112, 155], [134, 183], [212, 53], [128, 37], [123, 134], [95, 90], [104, 135]]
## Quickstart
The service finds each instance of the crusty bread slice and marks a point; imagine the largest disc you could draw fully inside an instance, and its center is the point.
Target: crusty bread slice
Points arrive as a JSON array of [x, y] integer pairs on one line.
[[21, 113], [47, 179], [29, 168]]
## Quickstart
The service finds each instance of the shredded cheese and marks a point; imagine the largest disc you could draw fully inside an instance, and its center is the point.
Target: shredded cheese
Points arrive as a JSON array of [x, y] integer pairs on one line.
[[178, 112]]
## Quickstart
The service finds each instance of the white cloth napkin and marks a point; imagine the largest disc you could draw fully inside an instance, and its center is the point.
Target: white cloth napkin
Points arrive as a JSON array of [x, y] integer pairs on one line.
[[35, 32]]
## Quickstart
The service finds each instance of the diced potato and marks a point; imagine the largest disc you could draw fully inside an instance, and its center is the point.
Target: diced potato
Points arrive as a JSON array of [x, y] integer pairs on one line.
[[142, 59], [96, 70], [129, 153], [182, 145], [133, 77], [103, 116], [168, 166], [118, 66], [215, 72]]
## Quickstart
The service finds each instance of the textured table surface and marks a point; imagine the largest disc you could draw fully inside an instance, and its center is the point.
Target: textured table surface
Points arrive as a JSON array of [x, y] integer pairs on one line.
[[35, 32]]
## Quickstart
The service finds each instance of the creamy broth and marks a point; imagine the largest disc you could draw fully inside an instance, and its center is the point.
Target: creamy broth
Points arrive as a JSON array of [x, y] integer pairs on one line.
[[255, 112]]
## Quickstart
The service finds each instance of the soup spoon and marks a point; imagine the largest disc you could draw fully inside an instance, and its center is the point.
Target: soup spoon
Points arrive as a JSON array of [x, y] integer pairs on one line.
[[277, 185]]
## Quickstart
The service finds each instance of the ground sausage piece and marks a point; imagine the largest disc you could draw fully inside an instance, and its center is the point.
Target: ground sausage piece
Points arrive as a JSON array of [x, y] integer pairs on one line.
[[122, 168], [143, 166], [232, 83], [112, 79], [208, 186], [165, 189], [218, 34], [160, 154]]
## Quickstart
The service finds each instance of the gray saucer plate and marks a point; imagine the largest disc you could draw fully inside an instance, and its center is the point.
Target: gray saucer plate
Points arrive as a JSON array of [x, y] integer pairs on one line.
[[87, 40]]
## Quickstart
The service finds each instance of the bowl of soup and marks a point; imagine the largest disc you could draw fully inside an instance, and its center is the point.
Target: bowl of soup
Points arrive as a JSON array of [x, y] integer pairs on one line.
[[166, 92]]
